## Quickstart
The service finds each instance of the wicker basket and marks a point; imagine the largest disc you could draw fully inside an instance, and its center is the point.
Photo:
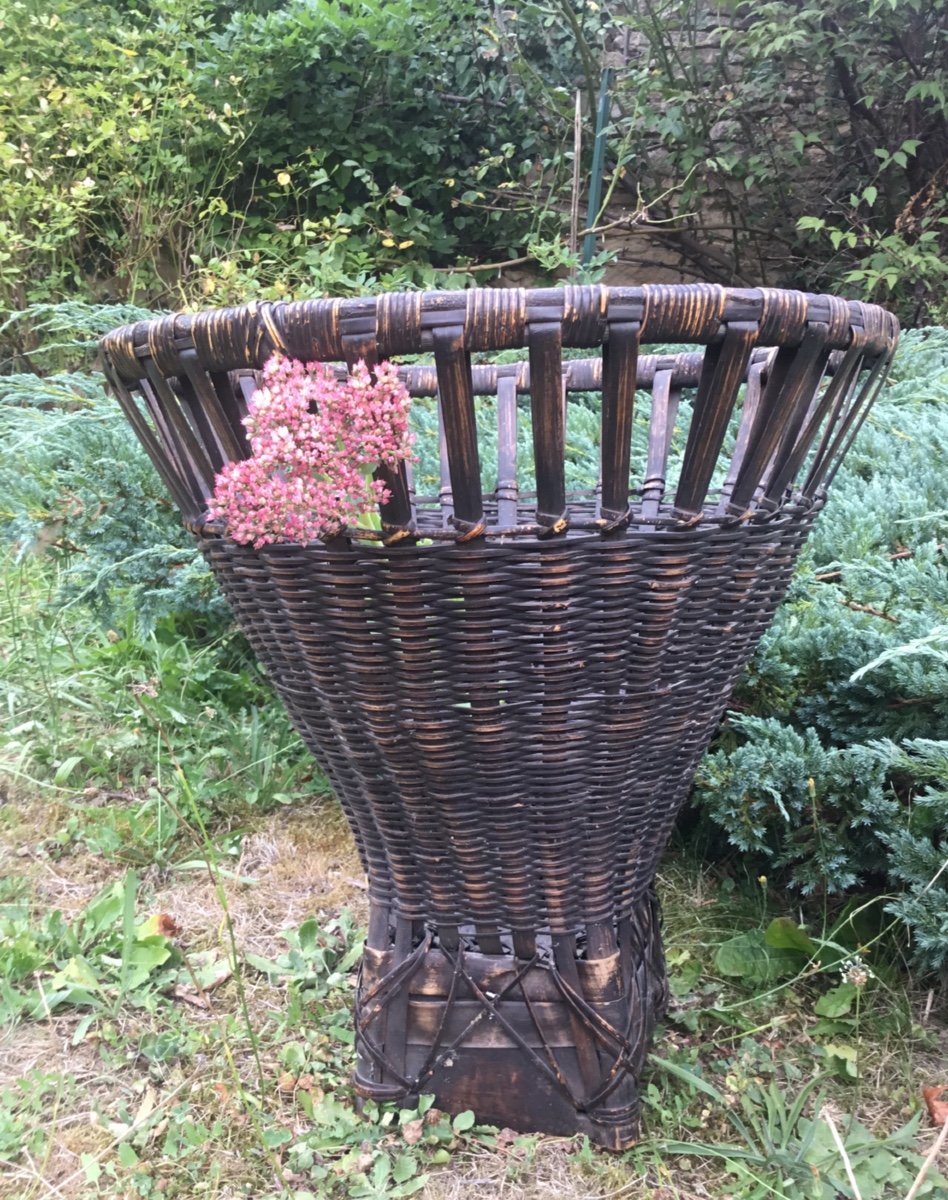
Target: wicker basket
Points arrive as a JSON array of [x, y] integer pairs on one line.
[[510, 691]]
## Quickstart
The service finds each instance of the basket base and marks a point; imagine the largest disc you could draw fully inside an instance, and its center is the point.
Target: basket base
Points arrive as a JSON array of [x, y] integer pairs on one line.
[[551, 1043]]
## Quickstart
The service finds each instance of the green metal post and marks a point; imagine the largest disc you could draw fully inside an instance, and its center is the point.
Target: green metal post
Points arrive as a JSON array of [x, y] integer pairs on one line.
[[599, 154]]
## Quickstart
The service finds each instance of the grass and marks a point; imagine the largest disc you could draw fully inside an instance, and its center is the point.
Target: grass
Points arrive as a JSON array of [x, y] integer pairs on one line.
[[180, 915]]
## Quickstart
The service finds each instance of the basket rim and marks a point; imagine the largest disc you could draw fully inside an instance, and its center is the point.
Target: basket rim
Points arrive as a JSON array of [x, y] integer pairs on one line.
[[495, 319]]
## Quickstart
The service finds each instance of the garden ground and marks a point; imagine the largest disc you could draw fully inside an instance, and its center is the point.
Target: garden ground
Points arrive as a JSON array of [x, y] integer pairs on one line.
[[166, 1091]]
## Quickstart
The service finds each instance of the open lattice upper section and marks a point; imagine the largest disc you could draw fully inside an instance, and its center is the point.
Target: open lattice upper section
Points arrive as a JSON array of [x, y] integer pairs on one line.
[[762, 414]]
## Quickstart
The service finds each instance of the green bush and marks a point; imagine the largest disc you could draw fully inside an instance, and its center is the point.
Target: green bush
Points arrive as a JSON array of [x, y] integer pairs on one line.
[[173, 151], [75, 483], [829, 776], [110, 156]]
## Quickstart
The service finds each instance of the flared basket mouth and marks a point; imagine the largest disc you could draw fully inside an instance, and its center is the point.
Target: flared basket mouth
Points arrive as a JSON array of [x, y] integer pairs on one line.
[[701, 406]]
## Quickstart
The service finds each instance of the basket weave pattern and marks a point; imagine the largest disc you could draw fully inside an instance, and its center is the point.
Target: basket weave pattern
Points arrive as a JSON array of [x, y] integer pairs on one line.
[[511, 712]]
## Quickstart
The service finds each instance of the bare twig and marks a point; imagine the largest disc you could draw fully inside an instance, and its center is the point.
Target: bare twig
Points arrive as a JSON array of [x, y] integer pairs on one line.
[[42, 992], [825, 576], [51, 1188], [926, 1165], [577, 158], [590, 68], [867, 608], [828, 1118], [474, 268]]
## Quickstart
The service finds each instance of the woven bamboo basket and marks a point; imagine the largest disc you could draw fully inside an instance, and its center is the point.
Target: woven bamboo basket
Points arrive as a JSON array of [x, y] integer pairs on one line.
[[510, 689]]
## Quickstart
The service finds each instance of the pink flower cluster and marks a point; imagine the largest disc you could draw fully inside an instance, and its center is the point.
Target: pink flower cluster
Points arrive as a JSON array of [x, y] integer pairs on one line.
[[315, 442]]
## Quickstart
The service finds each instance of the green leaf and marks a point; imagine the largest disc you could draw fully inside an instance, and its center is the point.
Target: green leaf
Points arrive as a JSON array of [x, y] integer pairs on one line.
[[831, 1029], [689, 1077], [836, 1002], [276, 1137], [213, 972], [411, 1188], [404, 1167], [309, 934], [464, 1120], [129, 891], [76, 971], [783, 933], [66, 768], [82, 1029], [90, 1167], [869, 194], [126, 1155], [144, 958], [748, 957], [843, 1059], [101, 913], [265, 966]]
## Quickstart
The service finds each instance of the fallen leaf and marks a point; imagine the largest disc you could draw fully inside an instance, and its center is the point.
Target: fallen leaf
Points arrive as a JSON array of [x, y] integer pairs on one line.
[[147, 1106], [190, 996], [160, 925], [167, 926], [158, 1130], [209, 977], [937, 1108], [287, 1082], [413, 1131], [505, 1139]]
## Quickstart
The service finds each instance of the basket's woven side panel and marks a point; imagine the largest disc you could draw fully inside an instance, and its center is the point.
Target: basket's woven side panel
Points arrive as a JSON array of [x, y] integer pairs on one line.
[[724, 370], [515, 729], [844, 424], [507, 488], [456, 394]]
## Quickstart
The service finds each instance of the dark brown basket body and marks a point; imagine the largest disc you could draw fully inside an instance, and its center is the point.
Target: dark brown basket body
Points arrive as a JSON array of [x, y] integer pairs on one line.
[[510, 692]]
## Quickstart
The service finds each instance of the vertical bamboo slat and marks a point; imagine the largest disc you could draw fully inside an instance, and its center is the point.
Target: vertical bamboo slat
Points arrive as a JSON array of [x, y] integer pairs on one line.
[[618, 401], [549, 425], [455, 389], [507, 452]]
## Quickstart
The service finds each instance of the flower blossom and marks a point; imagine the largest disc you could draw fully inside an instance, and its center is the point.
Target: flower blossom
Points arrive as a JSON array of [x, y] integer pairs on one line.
[[315, 442], [855, 971]]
